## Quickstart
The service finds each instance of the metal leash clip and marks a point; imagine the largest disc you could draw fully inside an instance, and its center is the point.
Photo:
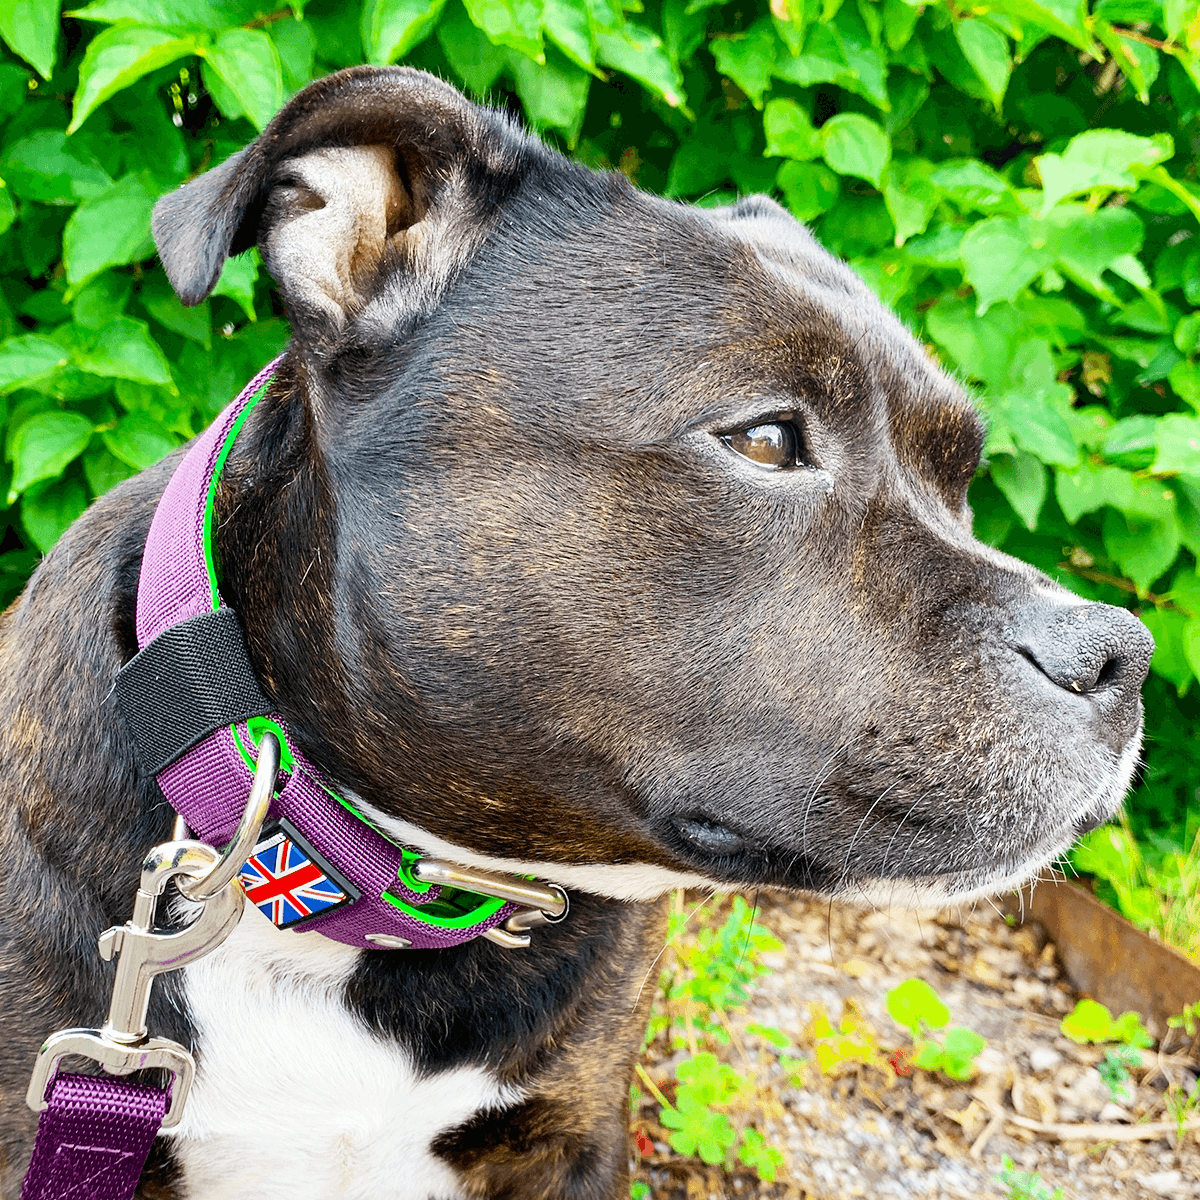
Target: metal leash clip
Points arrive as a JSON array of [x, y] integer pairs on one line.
[[543, 904], [202, 874]]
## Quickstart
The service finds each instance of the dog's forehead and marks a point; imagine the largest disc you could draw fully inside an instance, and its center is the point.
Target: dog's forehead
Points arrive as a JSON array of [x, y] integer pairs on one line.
[[641, 318]]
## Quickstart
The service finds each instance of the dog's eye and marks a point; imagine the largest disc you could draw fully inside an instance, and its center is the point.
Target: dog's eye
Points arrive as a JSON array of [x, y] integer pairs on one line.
[[774, 444]]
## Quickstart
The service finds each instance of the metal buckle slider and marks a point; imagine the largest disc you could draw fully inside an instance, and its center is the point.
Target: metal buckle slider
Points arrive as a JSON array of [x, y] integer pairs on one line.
[[544, 904]]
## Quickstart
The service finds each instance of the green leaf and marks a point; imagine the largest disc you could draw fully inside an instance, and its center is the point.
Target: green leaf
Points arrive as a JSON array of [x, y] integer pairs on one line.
[[102, 471], [30, 27], [972, 185], [212, 15], [237, 280], [862, 52], [999, 259], [961, 1048], [52, 168], [8, 214], [1178, 446], [513, 23], [1090, 487], [1187, 334], [639, 54], [809, 189], [247, 63], [1142, 549], [296, 45], [915, 1004], [1184, 377], [986, 49], [911, 197], [125, 350], [160, 301], [43, 447], [1067, 19], [1099, 158], [749, 58], [49, 510], [554, 95], [391, 28], [29, 360], [1170, 660], [109, 230], [855, 145], [119, 56], [101, 300], [899, 21], [1022, 479], [138, 441], [476, 60], [1086, 243], [568, 26], [789, 131]]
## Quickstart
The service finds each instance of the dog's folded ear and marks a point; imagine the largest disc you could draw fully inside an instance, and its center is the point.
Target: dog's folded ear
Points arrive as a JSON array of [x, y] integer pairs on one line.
[[367, 178]]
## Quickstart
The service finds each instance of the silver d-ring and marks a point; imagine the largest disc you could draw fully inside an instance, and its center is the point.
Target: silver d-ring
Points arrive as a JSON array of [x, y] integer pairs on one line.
[[234, 856]]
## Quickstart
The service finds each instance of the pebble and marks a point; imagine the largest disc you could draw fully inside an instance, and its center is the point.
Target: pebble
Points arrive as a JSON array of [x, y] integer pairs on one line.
[[1044, 1058], [1164, 1183]]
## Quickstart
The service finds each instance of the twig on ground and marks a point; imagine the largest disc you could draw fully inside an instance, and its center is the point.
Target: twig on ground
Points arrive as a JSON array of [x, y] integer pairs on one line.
[[1097, 1131]]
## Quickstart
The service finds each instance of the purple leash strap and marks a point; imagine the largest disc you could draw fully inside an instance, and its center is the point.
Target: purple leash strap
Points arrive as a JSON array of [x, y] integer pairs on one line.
[[93, 1139]]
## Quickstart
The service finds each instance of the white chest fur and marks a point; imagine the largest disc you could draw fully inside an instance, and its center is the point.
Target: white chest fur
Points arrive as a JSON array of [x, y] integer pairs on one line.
[[294, 1099]]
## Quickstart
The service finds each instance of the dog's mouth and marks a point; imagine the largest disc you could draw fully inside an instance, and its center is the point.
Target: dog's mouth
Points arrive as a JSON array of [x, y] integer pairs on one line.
[[711, 836]]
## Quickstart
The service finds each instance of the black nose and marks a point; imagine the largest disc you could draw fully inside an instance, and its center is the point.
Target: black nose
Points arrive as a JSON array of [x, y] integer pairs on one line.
[[1091, 650]]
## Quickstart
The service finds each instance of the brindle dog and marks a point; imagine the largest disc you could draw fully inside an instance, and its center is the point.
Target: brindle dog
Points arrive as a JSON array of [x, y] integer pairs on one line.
[[582, 534]]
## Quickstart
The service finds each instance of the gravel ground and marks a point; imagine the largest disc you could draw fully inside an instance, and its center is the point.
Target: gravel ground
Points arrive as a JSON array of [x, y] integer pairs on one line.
[[866, 1131]]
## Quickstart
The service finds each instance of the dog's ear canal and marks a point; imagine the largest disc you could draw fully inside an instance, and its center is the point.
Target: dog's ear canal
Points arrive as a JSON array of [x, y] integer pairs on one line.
[[363, 175]]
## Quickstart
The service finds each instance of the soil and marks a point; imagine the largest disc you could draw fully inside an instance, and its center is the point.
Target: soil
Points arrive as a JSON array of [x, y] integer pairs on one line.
[[866, 1130]]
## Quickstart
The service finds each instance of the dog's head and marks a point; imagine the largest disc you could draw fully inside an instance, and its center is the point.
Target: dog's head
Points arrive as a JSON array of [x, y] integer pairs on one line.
[[643, 530]]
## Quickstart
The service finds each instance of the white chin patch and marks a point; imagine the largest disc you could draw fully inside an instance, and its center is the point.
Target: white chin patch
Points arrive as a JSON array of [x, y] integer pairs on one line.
[[938, 891], [617, 881]]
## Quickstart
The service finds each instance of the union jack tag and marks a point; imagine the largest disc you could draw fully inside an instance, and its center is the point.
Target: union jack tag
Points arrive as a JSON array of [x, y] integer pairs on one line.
[[289, 882]]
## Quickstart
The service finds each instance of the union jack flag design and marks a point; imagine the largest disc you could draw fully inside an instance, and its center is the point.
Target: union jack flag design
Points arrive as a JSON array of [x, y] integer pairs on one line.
[[288, 881]]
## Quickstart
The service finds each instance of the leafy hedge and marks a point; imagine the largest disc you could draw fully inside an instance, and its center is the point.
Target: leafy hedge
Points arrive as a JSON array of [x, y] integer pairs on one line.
[[1016, 177]]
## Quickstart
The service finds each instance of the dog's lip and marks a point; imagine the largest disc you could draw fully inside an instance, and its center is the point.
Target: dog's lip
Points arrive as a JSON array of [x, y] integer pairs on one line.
[[711, 836]]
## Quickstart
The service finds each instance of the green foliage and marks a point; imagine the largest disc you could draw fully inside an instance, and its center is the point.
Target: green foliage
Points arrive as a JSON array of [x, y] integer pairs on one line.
[[1188, 1020], [1016, 178], [916, 1006], [1025, 1185], [1154, 882], [1090, 1022], [715, 1105], [1114, 1069]]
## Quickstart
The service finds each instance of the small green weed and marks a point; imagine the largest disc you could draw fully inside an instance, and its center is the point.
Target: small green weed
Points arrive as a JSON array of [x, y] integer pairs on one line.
[[1090, 1022], [1025, 1185], [916, 1006], [715, 1105], [846, 1046], [1188, 1020]]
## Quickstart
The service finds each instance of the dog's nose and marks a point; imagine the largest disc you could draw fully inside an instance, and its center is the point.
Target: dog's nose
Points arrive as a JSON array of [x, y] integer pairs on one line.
[[1096, 651]]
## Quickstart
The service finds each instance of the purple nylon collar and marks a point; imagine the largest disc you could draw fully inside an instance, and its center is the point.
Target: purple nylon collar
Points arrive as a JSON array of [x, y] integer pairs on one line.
[[208, 785]]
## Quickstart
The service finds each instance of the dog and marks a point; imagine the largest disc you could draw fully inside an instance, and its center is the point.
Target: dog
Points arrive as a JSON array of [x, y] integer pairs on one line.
[[579, 535]]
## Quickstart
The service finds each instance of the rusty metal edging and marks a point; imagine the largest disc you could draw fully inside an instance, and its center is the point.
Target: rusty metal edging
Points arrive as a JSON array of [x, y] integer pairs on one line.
[[1108, 958]]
